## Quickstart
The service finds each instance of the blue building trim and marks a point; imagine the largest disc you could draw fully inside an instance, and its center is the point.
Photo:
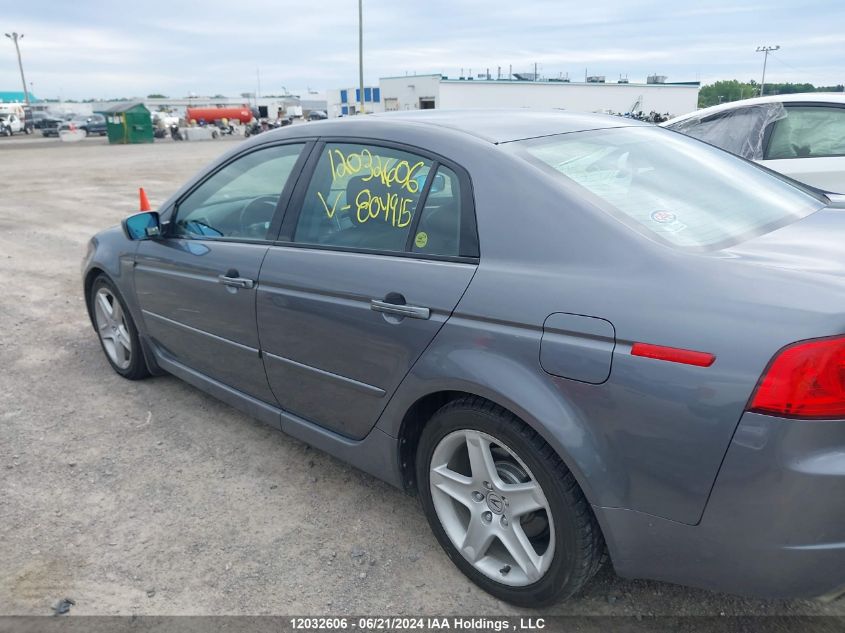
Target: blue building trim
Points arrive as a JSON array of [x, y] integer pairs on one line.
[[13, 96]]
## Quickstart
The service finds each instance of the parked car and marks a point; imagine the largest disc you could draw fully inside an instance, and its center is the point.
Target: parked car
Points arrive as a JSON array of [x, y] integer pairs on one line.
[[92, 124], [317, 115], [38, 119], [570, 335], [10, 124], [50, 125], [799, 135]]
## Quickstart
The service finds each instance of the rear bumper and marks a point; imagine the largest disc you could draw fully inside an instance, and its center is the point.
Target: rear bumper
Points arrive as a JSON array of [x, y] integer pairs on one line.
[[774, 525]]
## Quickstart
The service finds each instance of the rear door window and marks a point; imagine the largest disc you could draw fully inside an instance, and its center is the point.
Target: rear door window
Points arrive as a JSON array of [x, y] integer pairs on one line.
[[808, 132], [362, 196]]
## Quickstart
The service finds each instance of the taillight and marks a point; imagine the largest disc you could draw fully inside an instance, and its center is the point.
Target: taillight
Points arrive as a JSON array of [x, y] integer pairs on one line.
[[804, 380]]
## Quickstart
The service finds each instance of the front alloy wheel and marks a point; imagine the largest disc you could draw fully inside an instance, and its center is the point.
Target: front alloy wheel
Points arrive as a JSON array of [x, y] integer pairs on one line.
[[112, 328], [116, 330]]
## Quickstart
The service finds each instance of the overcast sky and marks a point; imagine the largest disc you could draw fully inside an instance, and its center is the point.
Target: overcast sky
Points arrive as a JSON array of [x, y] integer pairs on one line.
[[122, 49]]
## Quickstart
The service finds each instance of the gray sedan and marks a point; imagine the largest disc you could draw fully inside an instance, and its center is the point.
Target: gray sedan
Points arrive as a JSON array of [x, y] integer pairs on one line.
[[574, 337]]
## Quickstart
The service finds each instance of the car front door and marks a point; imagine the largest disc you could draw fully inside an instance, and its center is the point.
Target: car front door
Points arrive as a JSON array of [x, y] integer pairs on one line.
[[374, 253], [809, 145], [196, 284]]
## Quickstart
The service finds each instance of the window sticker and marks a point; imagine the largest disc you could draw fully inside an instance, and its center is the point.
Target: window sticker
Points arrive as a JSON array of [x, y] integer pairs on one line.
[[669, 220]]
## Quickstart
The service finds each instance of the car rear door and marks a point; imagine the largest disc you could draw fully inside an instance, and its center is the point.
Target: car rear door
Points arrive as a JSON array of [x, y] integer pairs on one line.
[[196, 284], [377, 248], [809, 145]]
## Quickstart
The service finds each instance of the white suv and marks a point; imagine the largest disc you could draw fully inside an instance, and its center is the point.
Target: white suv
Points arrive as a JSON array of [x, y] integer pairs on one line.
[[10, 124], [799, 135]]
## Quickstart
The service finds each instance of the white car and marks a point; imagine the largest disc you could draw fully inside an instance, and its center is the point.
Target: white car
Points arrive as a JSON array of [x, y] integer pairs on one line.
[[10, 124], [799, 135]]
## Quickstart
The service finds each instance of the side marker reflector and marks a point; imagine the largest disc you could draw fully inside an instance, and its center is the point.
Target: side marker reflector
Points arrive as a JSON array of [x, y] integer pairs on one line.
[[673, 354]]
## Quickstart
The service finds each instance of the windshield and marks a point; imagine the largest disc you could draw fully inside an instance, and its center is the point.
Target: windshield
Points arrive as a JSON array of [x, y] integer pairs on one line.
[[680, 190]]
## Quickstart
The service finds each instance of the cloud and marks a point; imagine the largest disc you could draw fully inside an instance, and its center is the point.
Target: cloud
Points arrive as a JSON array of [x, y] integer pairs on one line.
[[92, 49]]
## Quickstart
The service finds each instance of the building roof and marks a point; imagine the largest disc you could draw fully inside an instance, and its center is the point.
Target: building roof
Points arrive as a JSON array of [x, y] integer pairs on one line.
[[16, 96], [556, 82], [123, 107], [502, 126]]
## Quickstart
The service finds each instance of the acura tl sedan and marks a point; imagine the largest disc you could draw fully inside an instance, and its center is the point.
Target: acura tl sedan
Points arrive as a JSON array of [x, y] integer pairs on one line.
[[574, 337]]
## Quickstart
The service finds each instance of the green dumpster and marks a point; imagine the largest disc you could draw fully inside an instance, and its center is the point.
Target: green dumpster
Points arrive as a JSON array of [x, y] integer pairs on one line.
[[129, 123]]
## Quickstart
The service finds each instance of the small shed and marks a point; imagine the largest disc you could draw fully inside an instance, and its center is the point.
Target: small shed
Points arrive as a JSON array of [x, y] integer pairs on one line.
[[129, 122]]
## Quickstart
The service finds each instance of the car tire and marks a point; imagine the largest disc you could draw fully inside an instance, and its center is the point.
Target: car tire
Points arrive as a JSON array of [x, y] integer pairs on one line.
[[84, 132], [477, 503], [116, 330]]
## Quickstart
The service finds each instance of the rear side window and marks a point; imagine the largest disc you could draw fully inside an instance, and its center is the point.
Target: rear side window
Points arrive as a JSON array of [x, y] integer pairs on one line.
[[686, 193], [807, 132], [740, 131], [439, 228], [363, 197]]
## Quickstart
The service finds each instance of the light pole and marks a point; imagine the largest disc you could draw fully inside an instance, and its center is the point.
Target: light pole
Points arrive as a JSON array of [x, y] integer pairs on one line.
[[361, 53], [765, 50], [15, 37]]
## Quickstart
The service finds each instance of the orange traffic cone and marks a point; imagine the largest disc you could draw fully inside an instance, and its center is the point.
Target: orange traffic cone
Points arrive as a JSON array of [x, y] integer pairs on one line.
[[145, 202]]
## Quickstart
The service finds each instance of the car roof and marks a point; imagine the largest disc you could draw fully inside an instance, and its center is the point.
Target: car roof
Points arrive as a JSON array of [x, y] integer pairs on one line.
[[492, 125], [802, 97]]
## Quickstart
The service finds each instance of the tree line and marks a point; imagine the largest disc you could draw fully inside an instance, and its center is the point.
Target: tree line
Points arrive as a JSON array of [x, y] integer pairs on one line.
[[734, 90]]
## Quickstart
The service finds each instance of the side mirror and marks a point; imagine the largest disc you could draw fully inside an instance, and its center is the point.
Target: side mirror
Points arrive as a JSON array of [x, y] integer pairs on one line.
[[142, 226], [439, 183]]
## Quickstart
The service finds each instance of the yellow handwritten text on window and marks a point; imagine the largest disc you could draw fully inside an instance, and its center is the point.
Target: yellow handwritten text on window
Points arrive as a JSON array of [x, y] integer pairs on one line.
[[394, 207]]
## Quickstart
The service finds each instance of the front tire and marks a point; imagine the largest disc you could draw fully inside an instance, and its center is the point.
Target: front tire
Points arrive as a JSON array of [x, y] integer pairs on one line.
[[116, 330], [503, 505]]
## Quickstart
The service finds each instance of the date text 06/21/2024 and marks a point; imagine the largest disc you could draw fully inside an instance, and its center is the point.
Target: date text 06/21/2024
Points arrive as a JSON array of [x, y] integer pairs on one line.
[[407, 623]]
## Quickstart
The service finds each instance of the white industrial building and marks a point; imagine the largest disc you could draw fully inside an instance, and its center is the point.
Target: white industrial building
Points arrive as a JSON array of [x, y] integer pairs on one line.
[[415, 92]]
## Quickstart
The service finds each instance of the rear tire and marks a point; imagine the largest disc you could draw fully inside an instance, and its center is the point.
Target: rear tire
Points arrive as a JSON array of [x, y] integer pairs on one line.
[[116, 330], [510, 516]]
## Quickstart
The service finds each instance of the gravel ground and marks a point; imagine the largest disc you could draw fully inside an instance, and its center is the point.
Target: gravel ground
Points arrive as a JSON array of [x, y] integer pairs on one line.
[[153, 498]]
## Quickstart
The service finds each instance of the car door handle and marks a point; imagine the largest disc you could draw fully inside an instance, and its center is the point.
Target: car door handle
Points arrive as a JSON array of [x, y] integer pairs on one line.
[[232, 280], [399, 309]]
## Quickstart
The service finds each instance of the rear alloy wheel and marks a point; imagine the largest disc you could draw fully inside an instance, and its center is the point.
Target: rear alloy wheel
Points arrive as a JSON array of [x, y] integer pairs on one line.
[[117, 332], [503, 506]]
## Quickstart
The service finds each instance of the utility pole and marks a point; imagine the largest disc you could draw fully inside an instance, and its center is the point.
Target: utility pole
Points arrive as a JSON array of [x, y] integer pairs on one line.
[[361, 52], [765, 50], [15, 37]]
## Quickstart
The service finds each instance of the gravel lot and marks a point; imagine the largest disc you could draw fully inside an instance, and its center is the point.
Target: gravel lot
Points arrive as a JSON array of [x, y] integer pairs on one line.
[[152, 497]]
